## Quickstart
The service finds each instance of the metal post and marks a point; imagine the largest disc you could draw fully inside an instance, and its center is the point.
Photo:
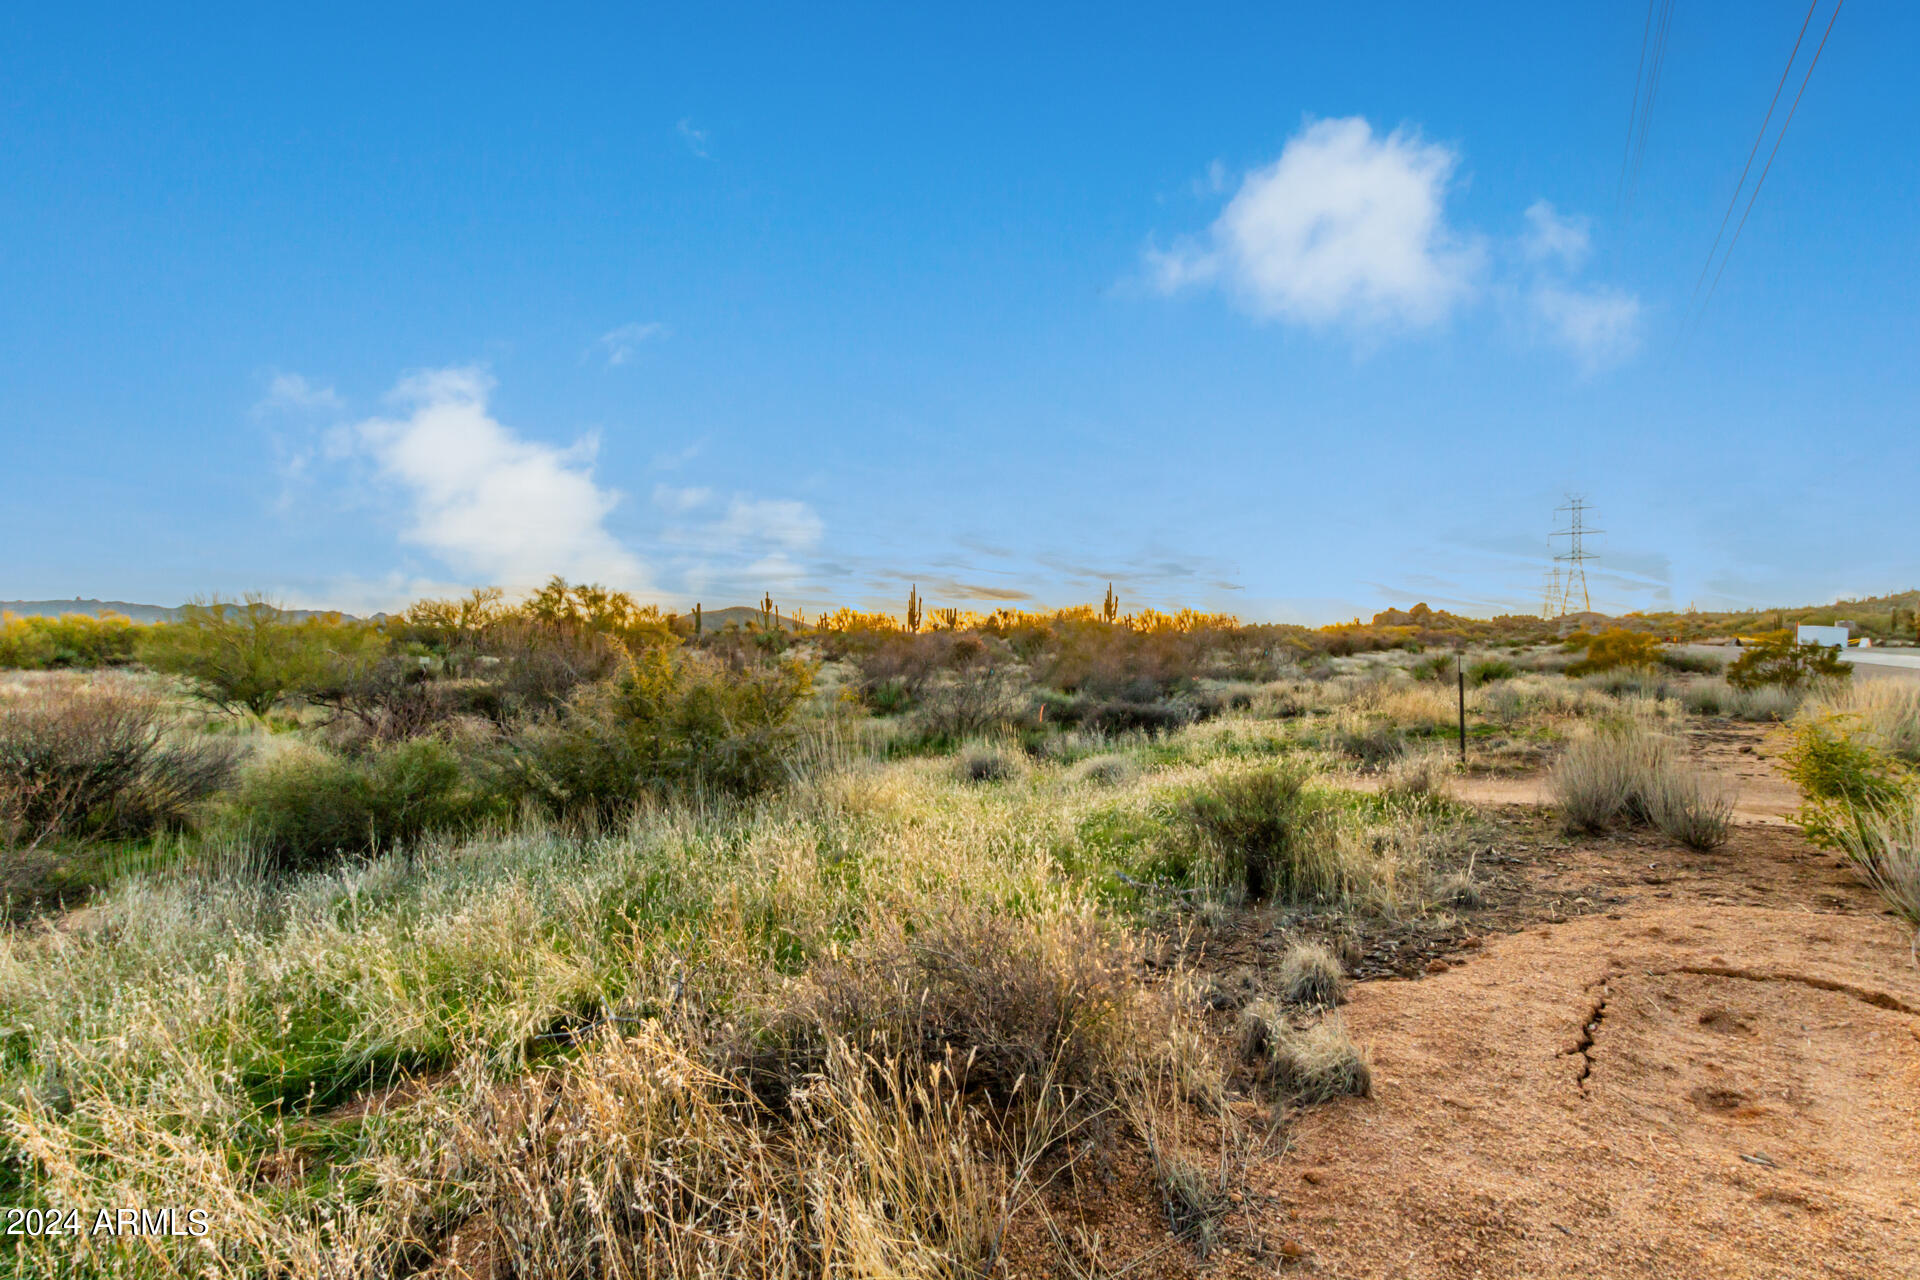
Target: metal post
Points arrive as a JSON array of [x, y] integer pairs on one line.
[[1460, 668]]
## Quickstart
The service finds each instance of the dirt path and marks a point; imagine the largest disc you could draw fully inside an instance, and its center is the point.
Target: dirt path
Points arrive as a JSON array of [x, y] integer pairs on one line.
[[1678, 1091], [1715, 1074]]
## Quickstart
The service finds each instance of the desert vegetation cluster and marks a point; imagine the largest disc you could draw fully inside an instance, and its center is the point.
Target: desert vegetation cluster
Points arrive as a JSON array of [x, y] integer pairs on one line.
[[610, 943]]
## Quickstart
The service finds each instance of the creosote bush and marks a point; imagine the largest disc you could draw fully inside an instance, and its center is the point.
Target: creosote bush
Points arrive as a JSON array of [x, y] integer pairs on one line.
[[1260, 827], [307, 808], [1778, 661], [1611, 650], [983, 763], [98, 762], [670, 723]]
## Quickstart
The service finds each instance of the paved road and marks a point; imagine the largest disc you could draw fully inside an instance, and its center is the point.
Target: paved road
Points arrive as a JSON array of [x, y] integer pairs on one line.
[[1883, 664]]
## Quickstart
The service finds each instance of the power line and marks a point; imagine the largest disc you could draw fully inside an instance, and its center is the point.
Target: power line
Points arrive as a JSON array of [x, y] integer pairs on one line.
[[1655, 66], [1633, 108], [1758, 138], [1781, 137]]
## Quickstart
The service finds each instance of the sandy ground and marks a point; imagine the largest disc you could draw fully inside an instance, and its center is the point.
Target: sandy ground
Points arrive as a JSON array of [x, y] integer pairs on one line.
[[1673, 1092], [1718, 1076]]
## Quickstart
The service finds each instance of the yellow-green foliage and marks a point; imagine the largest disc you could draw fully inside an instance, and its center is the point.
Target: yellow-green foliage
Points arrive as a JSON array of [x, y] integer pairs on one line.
[[669, 723], [590, 607], [249, 656], [1617, 648], [1779, 662], [70, 640], [1845, 778]]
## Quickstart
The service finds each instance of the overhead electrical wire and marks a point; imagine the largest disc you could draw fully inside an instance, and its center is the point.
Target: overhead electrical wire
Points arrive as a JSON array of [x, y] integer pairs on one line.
[[1633, 110], [1646, 93], [1778, 139], [1758, 138]]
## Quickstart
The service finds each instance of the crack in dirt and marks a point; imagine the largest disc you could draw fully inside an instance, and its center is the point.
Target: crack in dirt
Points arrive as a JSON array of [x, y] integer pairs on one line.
[[1588, 1030], [1878, 999]]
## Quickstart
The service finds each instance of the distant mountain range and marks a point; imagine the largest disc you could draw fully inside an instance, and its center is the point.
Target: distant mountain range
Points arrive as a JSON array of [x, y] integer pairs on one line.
[[711, 619], [126, 609]]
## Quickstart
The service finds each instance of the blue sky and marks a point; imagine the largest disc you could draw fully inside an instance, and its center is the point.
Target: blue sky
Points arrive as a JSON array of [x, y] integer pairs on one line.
[[1297, 311]]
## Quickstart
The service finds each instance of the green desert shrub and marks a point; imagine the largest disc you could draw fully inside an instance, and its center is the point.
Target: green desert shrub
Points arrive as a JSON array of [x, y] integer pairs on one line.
[[99, 762], [670, 723], [1778, 661], [70, 640], [1490, 670], [250, 656], [1844, 777], [1262, 829], [307, 808]]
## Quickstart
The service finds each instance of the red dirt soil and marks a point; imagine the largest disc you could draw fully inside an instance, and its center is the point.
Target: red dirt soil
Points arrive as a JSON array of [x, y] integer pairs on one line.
[[1720, 1077]]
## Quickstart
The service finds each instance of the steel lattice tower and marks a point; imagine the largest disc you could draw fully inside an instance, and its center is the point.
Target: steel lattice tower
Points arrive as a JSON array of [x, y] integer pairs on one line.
[[1553, 599], [1576, 555]]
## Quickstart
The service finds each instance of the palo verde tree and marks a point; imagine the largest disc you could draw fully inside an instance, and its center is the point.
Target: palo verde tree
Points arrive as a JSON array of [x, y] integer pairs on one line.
[[248, 656]]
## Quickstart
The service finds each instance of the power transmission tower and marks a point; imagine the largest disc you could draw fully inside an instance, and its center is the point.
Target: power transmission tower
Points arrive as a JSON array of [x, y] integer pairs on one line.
[[1576, 555], [1553, 597]]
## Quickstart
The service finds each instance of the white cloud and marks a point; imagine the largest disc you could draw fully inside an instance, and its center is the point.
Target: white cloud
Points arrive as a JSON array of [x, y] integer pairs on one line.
[[485, 501], [749, 545], [291, 392], [678, 501], [619, 344], [1599, 326], [781, 522], [696, 139], [1552, 238], [1345, 228]]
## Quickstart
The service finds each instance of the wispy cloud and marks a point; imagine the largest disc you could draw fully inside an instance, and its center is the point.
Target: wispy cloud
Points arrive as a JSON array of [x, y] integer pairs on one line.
[[486, 501], [1554, 237], [696, 139], [741, 543], [290, 392], [1599, 327], [618, 345], [1346, 228]]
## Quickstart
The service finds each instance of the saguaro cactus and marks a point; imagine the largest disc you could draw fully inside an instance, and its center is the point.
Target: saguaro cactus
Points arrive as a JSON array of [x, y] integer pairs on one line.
[[1111, 609], [913, 607], [766, 611], [696, 622]]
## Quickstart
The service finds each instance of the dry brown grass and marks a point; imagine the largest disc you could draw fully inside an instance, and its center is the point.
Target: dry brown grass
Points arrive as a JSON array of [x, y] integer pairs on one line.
[[1306, 1065], [1309, 975], [1624, 773]]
